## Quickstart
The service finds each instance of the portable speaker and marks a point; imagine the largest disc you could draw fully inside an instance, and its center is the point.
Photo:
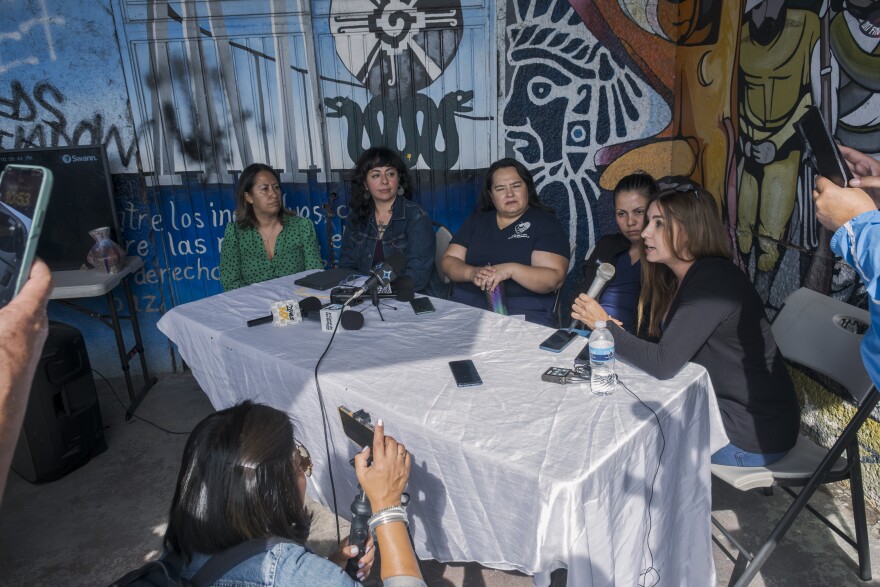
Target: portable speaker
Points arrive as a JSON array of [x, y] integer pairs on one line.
[[62, 426]]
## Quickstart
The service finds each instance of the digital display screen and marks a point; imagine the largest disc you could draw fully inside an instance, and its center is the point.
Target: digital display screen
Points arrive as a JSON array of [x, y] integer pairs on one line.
[[19, 189]]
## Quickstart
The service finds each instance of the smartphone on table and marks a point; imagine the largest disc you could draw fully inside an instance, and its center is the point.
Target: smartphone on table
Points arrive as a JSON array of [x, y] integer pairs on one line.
[[558, 340], [422, 305], [24, 195], [465, 373]]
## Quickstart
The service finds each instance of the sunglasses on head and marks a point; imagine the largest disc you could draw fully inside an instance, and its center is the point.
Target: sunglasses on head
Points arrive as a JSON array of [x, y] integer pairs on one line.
[[303, 460], [686, 188]]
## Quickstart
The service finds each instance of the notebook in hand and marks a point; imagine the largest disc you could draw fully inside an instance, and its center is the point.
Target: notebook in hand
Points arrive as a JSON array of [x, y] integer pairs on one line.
[[325, 279]]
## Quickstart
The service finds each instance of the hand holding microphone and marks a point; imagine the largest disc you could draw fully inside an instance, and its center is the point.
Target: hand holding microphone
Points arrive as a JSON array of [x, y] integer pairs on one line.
[[604, 274]]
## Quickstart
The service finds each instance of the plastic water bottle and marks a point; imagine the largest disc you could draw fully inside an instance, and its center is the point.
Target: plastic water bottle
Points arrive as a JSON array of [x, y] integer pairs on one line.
[[602, 380]]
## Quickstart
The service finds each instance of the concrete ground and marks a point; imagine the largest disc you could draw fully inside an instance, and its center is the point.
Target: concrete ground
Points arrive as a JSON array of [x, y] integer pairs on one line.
[[106, 518]]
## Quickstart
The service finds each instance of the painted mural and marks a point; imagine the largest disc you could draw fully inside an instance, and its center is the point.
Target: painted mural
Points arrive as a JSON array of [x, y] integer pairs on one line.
[[183, 95], [568, 97]]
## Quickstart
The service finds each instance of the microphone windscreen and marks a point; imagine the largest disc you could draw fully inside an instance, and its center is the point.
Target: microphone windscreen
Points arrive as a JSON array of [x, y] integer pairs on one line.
[[606, 270], [352, 320], [309, 305], [397, 261], [404, 287]]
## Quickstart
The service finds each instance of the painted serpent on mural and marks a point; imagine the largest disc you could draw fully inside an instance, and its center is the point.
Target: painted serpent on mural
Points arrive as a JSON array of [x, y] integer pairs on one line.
[[405, 113]]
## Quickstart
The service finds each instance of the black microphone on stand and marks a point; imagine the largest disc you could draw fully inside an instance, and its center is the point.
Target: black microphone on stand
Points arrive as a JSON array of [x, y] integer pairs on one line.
[[604, 274], [382, 274]]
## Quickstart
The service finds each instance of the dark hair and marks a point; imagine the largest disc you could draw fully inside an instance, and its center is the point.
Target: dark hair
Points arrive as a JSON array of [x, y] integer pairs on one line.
[[238, 481], [244, 212], [485, 200], [639, 182], [691, 210], [361, 204]]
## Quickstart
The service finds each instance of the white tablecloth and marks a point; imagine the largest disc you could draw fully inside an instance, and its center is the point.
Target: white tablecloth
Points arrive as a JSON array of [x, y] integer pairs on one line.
[[514, 474]]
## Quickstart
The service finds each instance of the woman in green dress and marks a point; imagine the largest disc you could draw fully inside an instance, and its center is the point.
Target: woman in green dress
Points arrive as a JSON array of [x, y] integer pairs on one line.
[[266, 240]]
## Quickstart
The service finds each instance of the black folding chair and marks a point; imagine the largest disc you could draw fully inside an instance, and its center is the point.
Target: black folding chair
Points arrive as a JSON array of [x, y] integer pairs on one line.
[[821, 334]]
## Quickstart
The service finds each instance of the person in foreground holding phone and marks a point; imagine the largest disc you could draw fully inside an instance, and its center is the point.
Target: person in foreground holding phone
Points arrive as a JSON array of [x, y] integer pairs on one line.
[[513, 239], [266, 240], [623, 250], [853, 216], [23, 330], [243, 477], [701, 307]]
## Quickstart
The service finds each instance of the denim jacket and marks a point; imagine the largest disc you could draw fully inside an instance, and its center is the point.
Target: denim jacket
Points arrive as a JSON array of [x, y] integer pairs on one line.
[[410, 233], [288, 565]]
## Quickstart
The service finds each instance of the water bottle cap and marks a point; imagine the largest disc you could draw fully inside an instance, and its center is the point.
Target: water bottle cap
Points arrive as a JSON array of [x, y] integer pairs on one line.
[[601, 324]]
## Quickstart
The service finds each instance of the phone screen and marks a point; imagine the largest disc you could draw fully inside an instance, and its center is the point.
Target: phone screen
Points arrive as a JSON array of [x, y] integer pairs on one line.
[[558, 340], [356, 430], [465, 373], [22, 203], [821, 149]]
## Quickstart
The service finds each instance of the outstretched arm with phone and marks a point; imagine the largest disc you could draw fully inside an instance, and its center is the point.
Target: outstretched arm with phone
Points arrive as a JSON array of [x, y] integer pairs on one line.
[[384, 482], [23, 330]]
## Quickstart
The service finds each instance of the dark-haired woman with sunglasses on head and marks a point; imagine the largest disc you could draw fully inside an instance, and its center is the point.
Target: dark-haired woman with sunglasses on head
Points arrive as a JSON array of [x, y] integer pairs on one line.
[[243, 477], [698, 306]]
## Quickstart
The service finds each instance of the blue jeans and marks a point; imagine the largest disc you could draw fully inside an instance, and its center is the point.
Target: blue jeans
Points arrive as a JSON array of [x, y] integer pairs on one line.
[[734, 456]]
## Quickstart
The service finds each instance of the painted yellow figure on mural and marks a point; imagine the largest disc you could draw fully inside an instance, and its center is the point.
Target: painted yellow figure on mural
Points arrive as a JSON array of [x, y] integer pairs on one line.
[[776, 45], [698, 141]]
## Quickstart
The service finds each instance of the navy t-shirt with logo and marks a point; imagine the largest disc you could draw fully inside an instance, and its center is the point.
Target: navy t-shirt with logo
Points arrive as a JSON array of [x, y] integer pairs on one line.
[[535, 230]]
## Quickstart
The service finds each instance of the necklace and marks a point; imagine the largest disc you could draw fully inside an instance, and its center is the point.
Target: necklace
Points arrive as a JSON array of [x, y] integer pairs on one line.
[[268, 235]]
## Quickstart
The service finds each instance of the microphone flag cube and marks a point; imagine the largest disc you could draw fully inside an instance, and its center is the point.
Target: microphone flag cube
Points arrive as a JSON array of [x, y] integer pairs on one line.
[[330, 316], [286, 312]]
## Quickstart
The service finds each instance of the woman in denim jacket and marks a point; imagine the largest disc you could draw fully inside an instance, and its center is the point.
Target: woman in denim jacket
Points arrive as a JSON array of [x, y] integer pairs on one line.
[[384, 220], [243, 477]]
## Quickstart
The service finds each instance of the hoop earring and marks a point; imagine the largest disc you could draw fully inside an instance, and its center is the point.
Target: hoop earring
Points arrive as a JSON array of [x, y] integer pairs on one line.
[[400, 190]]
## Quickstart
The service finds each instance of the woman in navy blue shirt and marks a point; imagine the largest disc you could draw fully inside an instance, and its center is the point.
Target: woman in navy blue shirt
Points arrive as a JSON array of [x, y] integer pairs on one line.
[[384, 220], [623, 250], [513, 239]]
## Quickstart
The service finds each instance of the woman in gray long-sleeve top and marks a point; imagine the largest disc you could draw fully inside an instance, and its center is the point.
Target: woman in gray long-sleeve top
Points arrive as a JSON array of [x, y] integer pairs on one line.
[[696, 305]]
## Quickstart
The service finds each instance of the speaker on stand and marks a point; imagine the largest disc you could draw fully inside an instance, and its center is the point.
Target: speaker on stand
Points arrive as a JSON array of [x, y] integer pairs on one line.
[[62, 427]]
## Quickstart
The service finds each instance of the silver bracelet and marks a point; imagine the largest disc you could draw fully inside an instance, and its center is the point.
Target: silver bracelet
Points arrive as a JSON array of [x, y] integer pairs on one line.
[[385, 516]]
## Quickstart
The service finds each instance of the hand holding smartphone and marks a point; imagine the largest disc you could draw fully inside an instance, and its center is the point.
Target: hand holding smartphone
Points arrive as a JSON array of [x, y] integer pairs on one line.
[[24, 195], [822, 149]]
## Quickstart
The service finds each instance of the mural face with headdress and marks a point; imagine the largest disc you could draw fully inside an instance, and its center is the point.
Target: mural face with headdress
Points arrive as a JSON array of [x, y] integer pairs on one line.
[[567, 98]]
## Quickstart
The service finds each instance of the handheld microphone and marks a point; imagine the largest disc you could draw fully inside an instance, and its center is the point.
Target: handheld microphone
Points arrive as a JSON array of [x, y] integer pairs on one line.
[[382, 274], [604, 274], [308, 308]]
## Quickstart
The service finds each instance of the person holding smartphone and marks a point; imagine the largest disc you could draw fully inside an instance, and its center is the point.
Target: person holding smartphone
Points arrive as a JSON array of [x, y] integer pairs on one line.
[[245, 460], [24, 327], [852, 214]]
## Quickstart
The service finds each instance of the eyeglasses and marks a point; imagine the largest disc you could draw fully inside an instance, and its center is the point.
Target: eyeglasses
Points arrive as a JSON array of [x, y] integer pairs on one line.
[[303, 460], [688, 187]]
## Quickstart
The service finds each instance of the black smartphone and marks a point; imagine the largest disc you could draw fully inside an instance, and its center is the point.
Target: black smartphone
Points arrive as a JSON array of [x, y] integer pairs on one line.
[[558, 340], [465, 373], [422, 305], [822, 149], [583, 358], [357, 426]]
